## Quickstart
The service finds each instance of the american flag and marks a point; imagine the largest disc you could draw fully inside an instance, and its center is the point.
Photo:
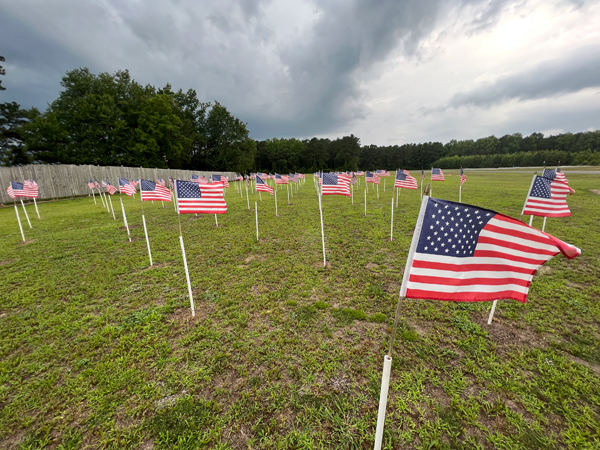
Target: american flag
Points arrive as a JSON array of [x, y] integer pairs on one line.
[[238, 177], [404, 181], [294, 178], [376, 179], [368, 177], [547, 198], [463, 177], [31, 188], [360, 173], [465, 253], [560, 176], [96, 184], [160, 182], [197, 179], [281, 179], [334, 184], [15, 189], [383, 173], [437, 175], [125, 187], [252, 176], [549, 173], [109, 187], [261, 186], [151, 191], [354, 179], [91, 184], [219, 179], [200, 198], [422, 175]]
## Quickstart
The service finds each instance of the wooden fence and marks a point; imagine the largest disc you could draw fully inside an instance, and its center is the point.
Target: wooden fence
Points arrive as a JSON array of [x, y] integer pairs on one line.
[[56, 181]]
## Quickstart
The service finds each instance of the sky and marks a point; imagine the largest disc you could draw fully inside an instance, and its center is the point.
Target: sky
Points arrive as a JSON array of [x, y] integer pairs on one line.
[[390, 72]]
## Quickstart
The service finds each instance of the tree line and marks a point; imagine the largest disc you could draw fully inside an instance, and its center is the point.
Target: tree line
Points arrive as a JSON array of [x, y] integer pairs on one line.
[[110, 119]]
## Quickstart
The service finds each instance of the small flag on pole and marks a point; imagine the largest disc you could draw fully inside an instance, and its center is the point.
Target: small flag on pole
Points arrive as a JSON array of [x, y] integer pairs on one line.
[[334, 184], [437, 175], [15, 190], [560, 176], [152, 191], [403, 180], [547, 198], [261, 186], [109, 187], [463, 177], [125, 187], [200, 198], [31, 188]]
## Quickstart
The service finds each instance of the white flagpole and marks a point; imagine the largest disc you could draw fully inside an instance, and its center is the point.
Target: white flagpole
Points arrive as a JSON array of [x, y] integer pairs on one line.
[[530, 220], [365, 202], [256, 214], [397, 189], [384, 185], [392, 221], [260, 197], [111, 207], [322, 231], [19, 220], [385, 385], [101, 198], [125, 218], [241, 190], [106, 200], [275, 199], [352, 191], [187, 273], [216, 220], [460, 194], [144, 220], [288, 190], [495, 302], [378, 192], [173, 197], [26, 215], [544, 224], [36, 208], [248, 198], [94, 195]]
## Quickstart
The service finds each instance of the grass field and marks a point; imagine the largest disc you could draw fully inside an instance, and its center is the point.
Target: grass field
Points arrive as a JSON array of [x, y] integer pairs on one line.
[[99, 350]]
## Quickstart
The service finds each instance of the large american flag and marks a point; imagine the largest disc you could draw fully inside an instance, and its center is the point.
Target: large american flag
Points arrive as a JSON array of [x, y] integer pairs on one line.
[[200, 198], [368, 177], [437, 175], [334, 184], [547, 198], [151, 191], [125, 187], [30, 188], [261, 186], [15, 189], [465, 253], [281, 179], [463, 177], [405, 181]]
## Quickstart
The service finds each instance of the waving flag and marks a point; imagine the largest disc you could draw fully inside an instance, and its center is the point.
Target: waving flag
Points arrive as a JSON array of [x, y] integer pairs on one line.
[[437, 175], [465, 253], [30, 188], [547, 198], [560, 176], [368, 177], [96, 184], [197, 179], [15, 189], [261, 186], [91, 184], [200, 198], [109, 187], [360, 173], [281, 179], [238, 177], [125, 187], [220, 179], [376, 179], [151, 191], [463, 178], [422, 175], [405, 181], [549, 174], [334, 184], [383, 173], [160, 182]]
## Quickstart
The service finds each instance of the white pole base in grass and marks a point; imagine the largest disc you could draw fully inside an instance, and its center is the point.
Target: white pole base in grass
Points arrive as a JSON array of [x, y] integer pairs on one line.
[[125, 219], [385, 384], [147, 240], [322, 230], [544, 224], [216, 220], [111, 207], [187, 276], [101, 198], [94, 195], [36, 208], [495, 302], [365, 202], [256, 214], [19, 220], [26, 215], [107, 205], [392, 221], [248, 198], [530, 220]]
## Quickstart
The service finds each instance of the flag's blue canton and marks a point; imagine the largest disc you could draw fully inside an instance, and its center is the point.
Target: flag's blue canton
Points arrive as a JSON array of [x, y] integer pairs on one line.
[[461, 172], [148, 185], [541, 188], [91, 180], [188, 189], [368, 174], [330, 179], [259, 180], [16, 185], [550, 174], [451, 229], [558, 170], [277, 176], [123, 182], [436, 172], [194, 177], [216, 177], [400, 176]]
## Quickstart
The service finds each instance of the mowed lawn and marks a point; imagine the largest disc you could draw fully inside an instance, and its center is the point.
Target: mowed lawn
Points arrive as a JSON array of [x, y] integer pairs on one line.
[[99, 350]]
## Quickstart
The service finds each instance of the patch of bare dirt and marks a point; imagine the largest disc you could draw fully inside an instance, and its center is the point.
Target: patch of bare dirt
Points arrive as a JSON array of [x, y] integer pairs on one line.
[[27, 242], [372, 266], [594, 367], [506, 334], [595, 191], [8, 261]]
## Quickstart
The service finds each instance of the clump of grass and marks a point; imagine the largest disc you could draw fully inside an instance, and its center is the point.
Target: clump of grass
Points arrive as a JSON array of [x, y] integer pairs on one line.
[[377, 318], [348, 315], [375, 290], [321, 305]]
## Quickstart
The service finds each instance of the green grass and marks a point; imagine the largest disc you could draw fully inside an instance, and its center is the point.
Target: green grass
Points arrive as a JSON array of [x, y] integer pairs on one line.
[[98, 350]]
